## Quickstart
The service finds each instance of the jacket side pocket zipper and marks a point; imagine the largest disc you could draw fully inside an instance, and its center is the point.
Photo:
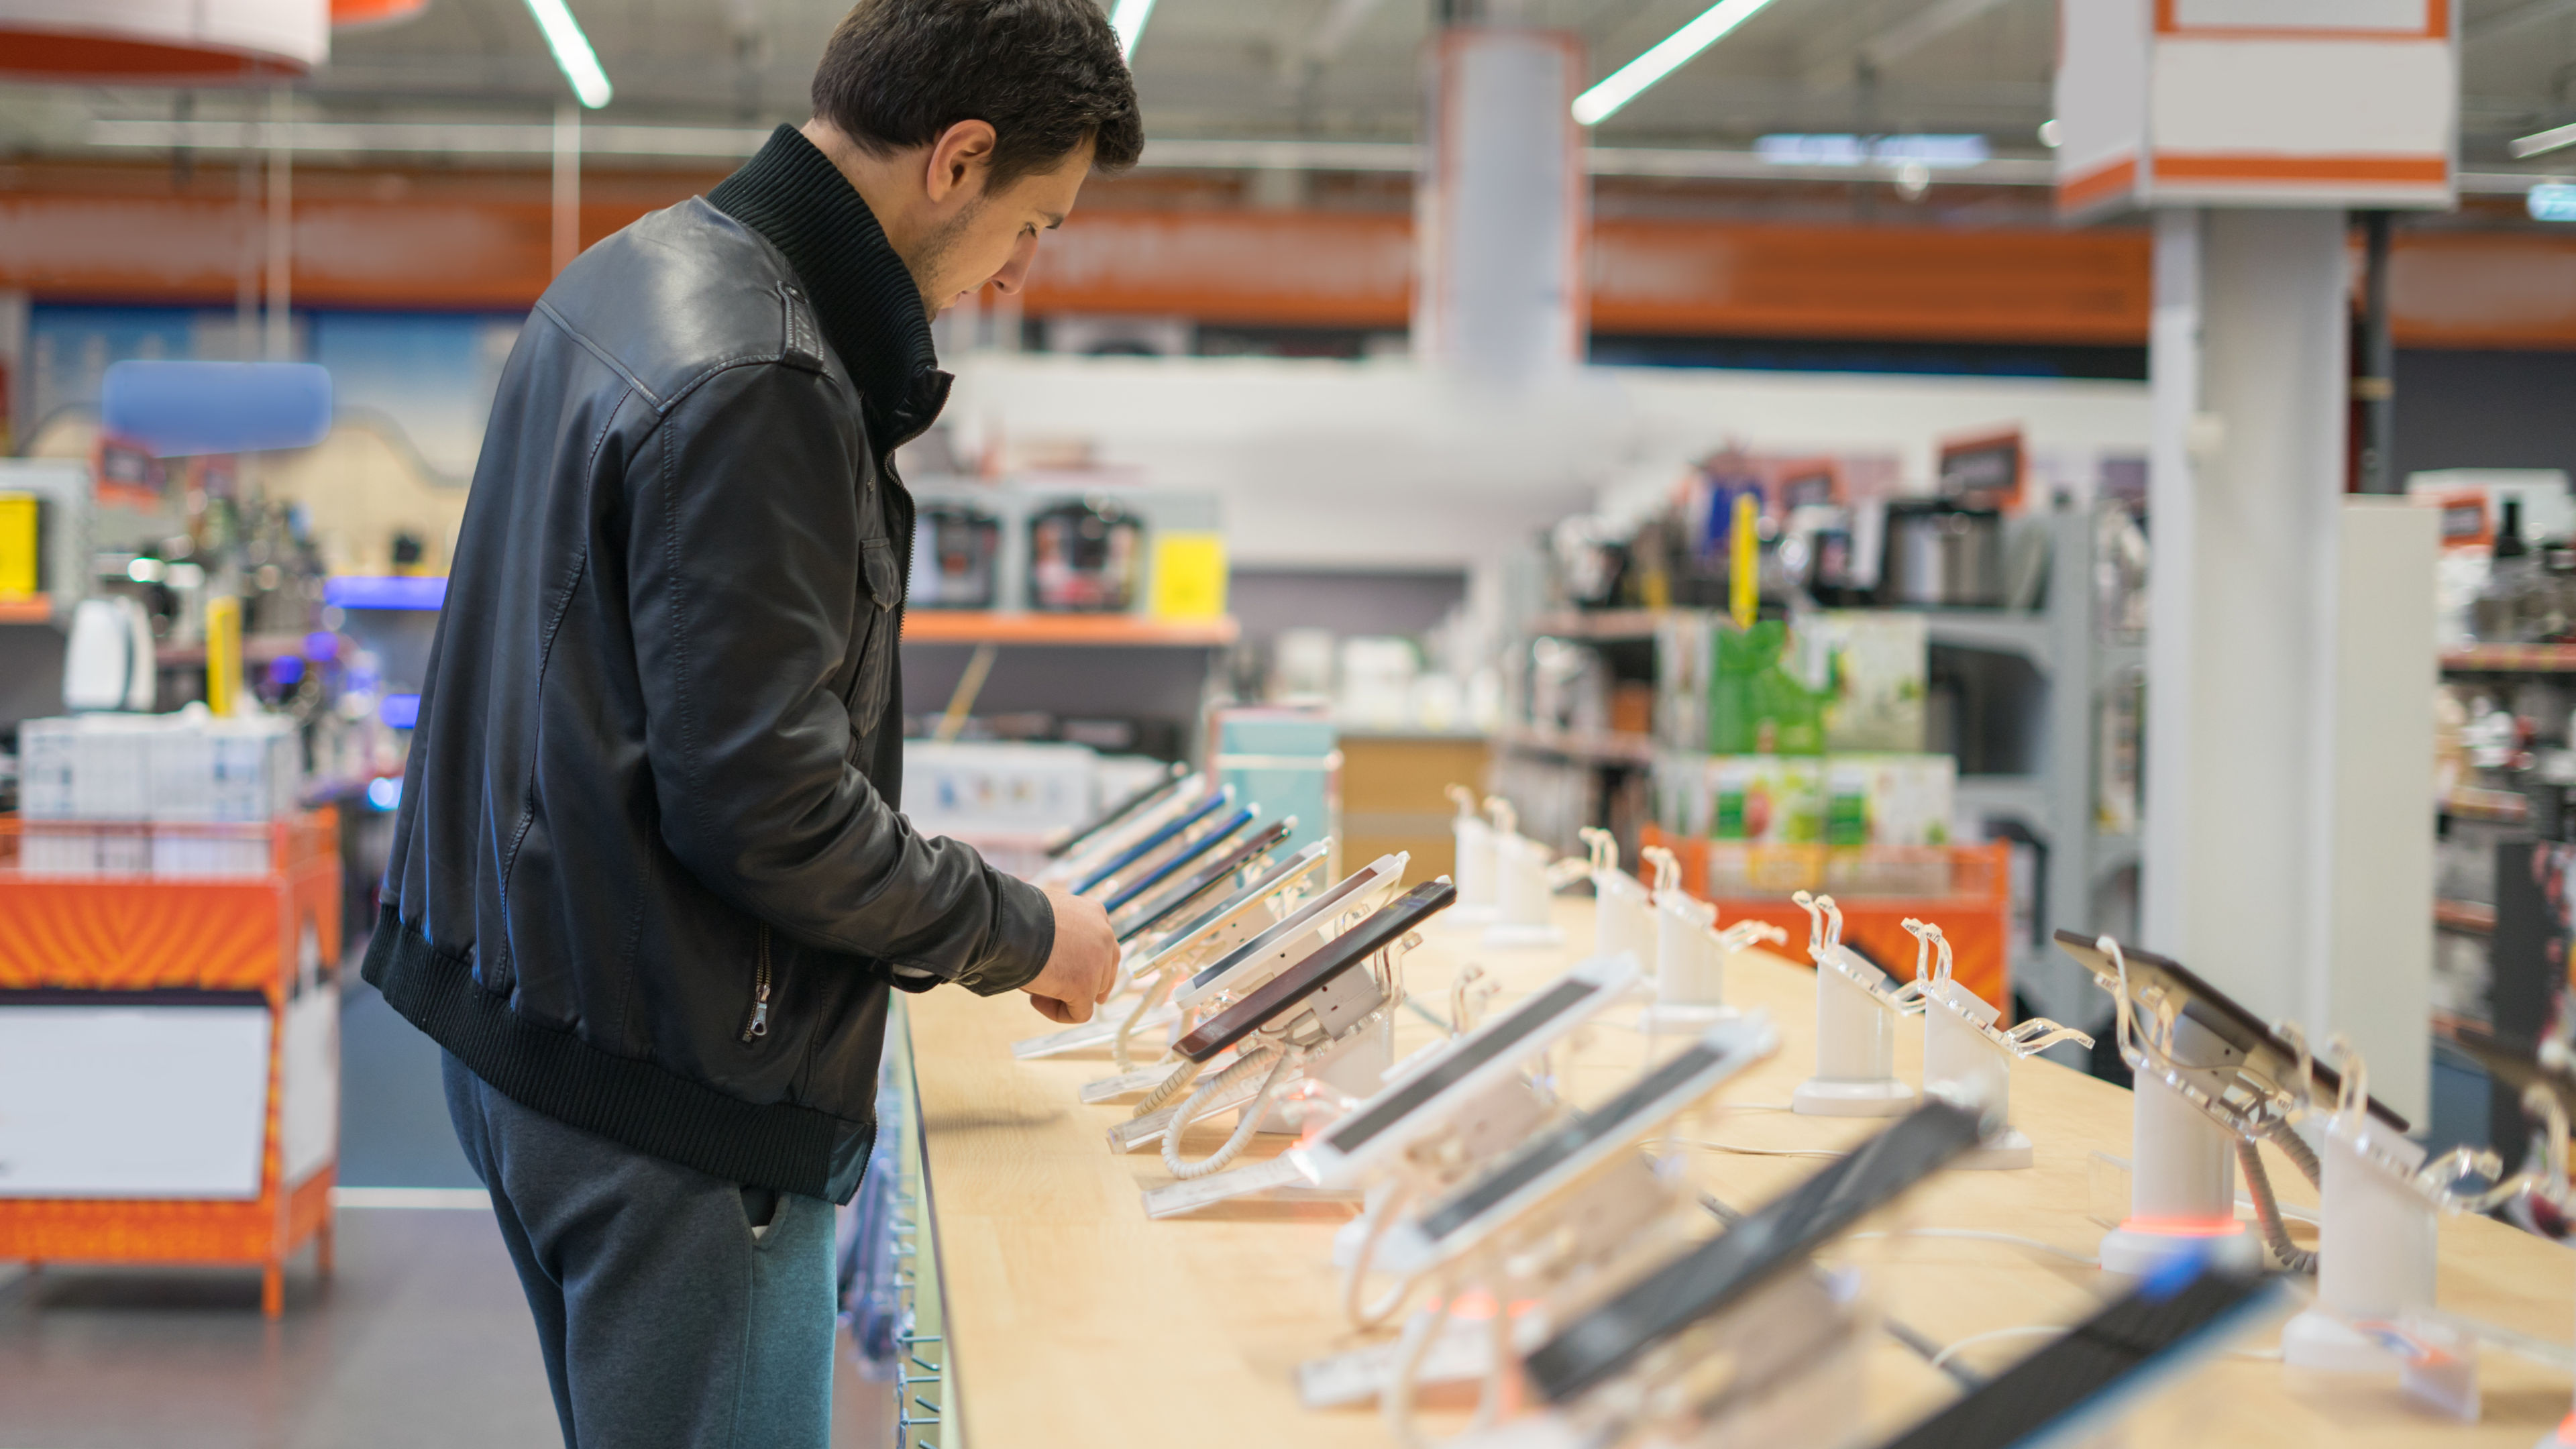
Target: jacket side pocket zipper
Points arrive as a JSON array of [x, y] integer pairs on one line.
[[759, 1025]]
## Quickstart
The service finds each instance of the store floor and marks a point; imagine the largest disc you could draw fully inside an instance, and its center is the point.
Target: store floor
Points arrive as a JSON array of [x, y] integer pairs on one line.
[[420, 1341]]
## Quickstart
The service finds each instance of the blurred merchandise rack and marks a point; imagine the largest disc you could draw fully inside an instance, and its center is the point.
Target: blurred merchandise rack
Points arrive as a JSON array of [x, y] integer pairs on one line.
[[169, 1043]]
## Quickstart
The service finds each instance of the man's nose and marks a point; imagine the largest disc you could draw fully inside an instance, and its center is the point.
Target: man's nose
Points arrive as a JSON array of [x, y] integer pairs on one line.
[[1015, 272]]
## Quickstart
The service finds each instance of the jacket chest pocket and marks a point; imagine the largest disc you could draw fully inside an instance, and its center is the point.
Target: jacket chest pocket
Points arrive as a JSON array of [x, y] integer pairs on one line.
[[880, 594]]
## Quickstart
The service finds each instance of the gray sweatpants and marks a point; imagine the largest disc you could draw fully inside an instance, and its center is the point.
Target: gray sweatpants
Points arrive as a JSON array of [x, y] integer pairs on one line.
[[665, 1318]]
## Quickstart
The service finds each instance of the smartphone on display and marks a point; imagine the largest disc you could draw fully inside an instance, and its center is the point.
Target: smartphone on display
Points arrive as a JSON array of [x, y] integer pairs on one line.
[[1143, 798], [1167, 805], [1154, 840], [1310, 975], [1451, 1225], [1191, 845], [1420, 1098], [2245, 1037], [1237, 913], [1243, 966], [1208, 878], [2068, 1391], [1713, 1276]]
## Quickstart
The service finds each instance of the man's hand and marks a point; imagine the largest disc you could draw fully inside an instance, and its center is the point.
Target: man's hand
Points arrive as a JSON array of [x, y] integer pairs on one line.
[[1083, 965]]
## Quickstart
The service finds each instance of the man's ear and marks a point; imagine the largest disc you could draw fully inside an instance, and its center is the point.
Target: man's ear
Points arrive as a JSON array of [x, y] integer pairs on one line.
[[958, 160]]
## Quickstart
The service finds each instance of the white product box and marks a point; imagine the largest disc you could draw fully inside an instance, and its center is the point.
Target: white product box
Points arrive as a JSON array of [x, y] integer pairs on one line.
[[986, 788], [1890, 799]]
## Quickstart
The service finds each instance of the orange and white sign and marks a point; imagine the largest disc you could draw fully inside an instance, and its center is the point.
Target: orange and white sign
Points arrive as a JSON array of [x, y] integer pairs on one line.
[[2330, 103]]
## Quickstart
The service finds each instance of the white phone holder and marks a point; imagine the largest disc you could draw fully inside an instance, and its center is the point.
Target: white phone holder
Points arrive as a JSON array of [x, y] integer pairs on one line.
[[2375, 1232], [1963, 1047], [1856, 1011], [1522, 914], [1330, 1055], [1474, 871], [1623, 914], [2182, 1173]]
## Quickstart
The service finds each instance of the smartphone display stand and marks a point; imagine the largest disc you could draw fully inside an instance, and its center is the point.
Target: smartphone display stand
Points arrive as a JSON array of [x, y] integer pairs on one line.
[[1856, 1011], [1790, 1352], [1963, 1047], [1547, 1221], [1474, 870], [1623, 914], [1261, 907], [2375, 1235], [2182, 1174], [1089, 849], [1337, 1066], [1522, 914]]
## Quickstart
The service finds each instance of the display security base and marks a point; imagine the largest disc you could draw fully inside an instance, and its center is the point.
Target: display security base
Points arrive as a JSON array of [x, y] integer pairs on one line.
[[1462, 1354], [2002, 1152], [2317, 1339], [2134, 1252], [1671, 1016], [1277, 1180], [1817, 1097], [1504, 935]]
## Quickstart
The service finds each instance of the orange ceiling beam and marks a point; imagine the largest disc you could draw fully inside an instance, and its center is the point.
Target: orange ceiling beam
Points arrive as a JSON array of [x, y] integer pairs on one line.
[[460, 240]]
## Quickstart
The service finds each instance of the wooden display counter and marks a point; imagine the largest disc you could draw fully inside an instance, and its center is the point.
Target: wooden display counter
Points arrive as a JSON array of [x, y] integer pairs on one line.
[[1072, 1320]]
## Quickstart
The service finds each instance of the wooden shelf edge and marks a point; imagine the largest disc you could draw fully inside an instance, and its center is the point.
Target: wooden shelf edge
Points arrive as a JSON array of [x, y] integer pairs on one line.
[[1602, 745], [976, 626], [34, 609], [2474, 918], [2511, 658]]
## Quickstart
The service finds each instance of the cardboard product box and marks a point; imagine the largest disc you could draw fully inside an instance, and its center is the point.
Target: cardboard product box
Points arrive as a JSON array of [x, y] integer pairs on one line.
[[48, 751], [1681, 783], [112, 766], [1873, 665], [1897, 800], [1766, 799]]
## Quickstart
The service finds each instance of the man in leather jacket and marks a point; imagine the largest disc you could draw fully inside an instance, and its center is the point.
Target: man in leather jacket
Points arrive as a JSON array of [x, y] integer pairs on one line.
[[650, 885]]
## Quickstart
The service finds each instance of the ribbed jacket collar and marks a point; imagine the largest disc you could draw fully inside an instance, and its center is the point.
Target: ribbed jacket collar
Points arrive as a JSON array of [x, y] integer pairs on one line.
[[864, 297]]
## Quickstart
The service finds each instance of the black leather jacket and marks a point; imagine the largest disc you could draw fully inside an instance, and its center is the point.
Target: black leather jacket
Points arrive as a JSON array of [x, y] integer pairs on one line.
[[649, 876]]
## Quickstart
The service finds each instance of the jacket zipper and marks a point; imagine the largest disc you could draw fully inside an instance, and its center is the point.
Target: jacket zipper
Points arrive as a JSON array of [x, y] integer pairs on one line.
[[759, 1026]]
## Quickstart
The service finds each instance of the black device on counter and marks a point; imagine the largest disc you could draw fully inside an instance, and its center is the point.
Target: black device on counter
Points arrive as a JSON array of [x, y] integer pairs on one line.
[[2047, 1397], [1195, 845], [1310, 975], [1215, 873], [1709, 1278], [1140, 799], [2247, 1036], [1156, 840]]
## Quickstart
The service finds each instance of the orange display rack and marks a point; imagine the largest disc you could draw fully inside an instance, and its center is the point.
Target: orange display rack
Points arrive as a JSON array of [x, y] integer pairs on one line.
[[115, 937], [1965, 889]]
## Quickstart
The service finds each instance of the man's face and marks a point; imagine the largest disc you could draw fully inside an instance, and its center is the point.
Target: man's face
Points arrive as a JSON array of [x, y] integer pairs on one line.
[[993, 237]]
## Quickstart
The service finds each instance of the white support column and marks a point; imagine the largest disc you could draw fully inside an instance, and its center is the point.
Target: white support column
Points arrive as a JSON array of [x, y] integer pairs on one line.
[[1501, 208], [2173, 381], [567, 187], [2275, 738]]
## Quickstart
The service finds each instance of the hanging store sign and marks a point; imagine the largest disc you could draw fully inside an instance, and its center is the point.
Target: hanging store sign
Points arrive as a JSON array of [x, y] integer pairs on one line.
[[192, 42], [2327, 103]]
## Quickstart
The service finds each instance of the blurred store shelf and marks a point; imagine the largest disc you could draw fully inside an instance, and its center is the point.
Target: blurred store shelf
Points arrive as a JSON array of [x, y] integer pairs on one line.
[[2511, 659], [1612, 747], [975, 626]]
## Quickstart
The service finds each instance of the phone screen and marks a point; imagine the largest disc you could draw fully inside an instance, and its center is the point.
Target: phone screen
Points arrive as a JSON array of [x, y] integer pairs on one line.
[[1232, 859], [1518, 1025], [1309, 975], [1318, 908], [2095, 1357], [1613, 1120], [1715, 1274], [1272, 882]]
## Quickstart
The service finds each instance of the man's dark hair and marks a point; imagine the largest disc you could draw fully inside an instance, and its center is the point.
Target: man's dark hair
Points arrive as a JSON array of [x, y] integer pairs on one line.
[[1046, 74]]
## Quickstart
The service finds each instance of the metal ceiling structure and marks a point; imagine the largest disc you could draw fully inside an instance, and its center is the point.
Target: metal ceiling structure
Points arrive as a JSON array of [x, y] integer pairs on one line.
[[1317, 73]]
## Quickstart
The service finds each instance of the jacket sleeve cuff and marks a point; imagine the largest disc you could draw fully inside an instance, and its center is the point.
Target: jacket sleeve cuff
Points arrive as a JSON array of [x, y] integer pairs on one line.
[[1024, 936]]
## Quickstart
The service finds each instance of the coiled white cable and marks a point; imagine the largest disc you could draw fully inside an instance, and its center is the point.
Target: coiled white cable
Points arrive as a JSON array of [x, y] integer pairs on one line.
[[1278, 1060]]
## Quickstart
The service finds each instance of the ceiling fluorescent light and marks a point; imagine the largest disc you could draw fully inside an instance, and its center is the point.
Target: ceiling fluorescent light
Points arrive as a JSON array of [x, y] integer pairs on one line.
[[2542, 142], [1128, 19], [573, 55], [1666, 56]]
